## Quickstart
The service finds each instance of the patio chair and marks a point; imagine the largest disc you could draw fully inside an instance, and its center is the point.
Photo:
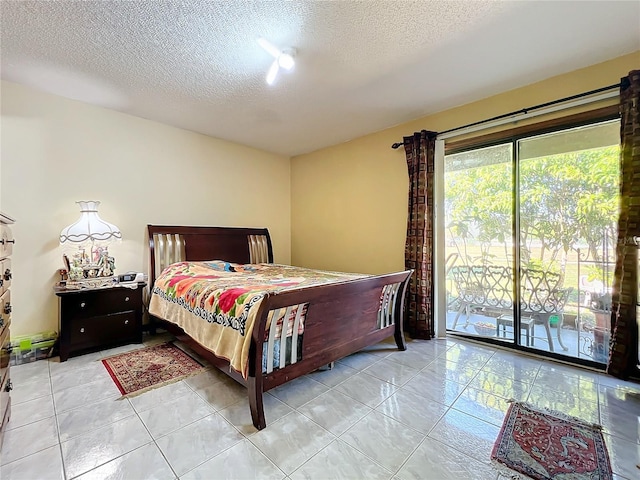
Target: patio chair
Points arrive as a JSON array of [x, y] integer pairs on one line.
[[543, 297]]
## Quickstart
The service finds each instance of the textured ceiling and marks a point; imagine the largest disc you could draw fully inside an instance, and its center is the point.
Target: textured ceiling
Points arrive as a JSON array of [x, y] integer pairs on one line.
[[361, 66]]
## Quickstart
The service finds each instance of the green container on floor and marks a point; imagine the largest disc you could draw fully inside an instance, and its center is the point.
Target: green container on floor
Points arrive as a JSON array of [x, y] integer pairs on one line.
[[29, 348], [553, 320]]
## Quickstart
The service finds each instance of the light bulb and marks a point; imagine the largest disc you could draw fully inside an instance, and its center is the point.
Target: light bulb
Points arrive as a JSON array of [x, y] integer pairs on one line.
[[273, 71], [286, 61]]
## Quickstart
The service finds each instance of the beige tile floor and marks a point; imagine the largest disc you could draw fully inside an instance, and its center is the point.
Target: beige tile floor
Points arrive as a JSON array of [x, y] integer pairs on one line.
[[431, 412]]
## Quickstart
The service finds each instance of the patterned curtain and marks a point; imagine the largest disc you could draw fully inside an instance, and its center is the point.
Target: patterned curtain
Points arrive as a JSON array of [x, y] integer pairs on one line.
[[623, 356], [418, 253]]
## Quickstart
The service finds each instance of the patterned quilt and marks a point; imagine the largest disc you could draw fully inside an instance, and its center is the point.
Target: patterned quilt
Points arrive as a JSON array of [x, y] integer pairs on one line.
[[216, 302]]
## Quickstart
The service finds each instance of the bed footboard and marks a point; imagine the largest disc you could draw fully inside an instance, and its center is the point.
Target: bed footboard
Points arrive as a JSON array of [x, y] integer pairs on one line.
[[340, 319]]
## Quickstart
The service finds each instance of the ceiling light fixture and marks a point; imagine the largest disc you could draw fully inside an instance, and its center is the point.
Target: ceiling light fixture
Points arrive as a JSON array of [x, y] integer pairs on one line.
[[282, 59]]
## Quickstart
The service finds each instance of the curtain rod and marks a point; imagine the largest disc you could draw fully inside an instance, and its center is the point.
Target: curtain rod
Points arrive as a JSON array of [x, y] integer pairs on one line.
[[524, 111]]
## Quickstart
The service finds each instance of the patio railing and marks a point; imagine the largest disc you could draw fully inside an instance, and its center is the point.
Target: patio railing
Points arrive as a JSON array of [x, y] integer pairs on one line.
[[489, 289]]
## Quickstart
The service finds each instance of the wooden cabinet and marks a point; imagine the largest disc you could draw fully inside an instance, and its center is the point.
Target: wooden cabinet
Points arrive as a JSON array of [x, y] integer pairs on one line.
[[6, 248], [91, 320]]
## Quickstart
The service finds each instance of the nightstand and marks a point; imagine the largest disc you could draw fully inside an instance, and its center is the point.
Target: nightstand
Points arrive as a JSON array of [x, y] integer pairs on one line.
[[91, 320]]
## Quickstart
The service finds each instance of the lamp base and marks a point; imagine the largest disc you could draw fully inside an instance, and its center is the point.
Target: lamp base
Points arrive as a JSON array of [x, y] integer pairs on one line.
[[88, 283], [81, 267]]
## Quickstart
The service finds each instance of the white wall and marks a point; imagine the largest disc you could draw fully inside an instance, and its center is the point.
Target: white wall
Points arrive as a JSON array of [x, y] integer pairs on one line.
[[56, 151]]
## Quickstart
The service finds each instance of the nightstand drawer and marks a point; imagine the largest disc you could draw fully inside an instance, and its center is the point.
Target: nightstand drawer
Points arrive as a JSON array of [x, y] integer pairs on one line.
[[6, 414], [5, 356], [100, 302], [104, 330], [6, 241], [5, 274], [5, 309], [5, 388]]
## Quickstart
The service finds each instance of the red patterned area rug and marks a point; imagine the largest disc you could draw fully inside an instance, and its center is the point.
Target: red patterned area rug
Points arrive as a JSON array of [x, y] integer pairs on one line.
[[141, 370], [545, 445]]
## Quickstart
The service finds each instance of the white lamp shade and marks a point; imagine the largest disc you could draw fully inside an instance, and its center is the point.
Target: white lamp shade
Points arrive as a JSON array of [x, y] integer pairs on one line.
[[89, 227]]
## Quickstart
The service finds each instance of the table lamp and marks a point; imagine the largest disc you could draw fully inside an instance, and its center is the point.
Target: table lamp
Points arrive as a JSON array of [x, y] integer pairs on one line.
[[92, 233]]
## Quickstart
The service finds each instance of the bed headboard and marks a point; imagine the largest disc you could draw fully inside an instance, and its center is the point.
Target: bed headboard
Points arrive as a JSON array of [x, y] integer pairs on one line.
[[170, 244]]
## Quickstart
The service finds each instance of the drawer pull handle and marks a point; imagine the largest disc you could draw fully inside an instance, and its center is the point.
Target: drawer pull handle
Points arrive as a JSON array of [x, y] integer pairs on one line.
[[12, 241], [7, 308], [82, 305], [82, 330], [8, 387], [126, 299], [7, 274]]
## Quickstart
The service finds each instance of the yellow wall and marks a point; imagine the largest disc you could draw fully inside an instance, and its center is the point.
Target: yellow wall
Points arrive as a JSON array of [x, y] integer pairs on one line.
[[349, 202], [56, 151]]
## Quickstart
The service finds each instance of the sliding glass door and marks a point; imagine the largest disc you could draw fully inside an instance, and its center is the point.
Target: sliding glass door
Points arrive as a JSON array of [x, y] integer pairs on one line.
[[568, 199], [479, 238], [532, 223]]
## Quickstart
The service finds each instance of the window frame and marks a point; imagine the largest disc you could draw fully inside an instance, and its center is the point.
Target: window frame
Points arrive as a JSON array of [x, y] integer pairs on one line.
[[538, 128]]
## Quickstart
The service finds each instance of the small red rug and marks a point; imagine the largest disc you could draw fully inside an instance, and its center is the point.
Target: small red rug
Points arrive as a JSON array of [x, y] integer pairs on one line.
[[544, 445], [141, 370]]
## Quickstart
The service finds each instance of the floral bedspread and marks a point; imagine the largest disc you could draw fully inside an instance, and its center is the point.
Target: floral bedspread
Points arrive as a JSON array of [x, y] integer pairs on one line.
[[216, 302]]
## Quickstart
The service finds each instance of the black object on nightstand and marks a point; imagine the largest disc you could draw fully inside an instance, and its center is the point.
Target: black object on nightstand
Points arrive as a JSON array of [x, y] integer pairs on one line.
[[95, 319]]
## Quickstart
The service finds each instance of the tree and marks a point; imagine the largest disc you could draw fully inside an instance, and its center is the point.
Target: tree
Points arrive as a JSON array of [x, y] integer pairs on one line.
[[565, 199]]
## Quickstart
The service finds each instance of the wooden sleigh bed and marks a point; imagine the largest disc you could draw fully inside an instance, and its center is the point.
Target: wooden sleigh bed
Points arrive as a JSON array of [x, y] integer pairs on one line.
[[338, 318]]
